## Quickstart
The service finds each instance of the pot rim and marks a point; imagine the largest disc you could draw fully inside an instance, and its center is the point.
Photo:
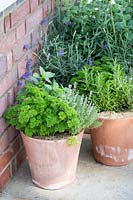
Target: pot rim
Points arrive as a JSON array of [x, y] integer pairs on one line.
[[108, 115], [50, 141]]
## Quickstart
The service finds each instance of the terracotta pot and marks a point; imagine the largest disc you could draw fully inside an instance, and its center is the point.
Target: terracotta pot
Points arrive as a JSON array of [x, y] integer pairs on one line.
[[112, 143], [52, 163]]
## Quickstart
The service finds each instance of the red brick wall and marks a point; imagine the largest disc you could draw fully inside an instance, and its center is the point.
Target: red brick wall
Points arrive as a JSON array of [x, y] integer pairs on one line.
[[18, 28]]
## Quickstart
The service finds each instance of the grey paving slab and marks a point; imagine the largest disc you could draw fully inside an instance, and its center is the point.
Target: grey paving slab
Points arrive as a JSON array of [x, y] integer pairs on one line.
[[94, 182]]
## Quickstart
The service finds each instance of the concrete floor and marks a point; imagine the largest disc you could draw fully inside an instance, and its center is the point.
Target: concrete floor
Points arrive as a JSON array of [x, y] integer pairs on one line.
[[94, 182]]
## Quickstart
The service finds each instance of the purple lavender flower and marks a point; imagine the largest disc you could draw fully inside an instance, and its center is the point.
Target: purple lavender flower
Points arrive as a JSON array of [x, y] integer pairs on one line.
[[44, 21], [26, 75], [68, 23], [105, 47], [90, 62], [28, 64], [19, 83], [26, 47], [23, 77], [61, 52]]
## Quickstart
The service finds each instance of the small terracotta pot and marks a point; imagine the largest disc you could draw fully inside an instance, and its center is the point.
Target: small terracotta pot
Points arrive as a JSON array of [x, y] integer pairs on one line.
[[52, 163], [112, 143]]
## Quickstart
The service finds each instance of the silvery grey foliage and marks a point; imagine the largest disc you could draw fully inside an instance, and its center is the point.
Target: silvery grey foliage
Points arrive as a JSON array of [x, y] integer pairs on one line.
[[86, 111]]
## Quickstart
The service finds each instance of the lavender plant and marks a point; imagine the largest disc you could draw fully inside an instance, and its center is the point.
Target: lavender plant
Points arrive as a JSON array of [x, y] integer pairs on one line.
[[102, 28], [61, 58]]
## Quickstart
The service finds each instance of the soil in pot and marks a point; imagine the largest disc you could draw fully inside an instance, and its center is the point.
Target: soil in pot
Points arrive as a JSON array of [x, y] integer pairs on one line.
[[53, 163], [112, 143]]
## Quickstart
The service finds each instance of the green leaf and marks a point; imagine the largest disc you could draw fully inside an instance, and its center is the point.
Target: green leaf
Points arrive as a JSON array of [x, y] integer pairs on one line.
[[49, 74], [42, 72], [48, 87], [73, 140], [62, 115], [66, 19], [130, 24], [55, 84], [36, 75], [120, 25], [127, 17], [34, 80], [96, 124]]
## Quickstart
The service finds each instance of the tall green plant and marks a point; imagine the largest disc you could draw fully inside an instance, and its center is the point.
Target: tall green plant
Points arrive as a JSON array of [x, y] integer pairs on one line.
[[111, 88], [62, 58], [101, 28]]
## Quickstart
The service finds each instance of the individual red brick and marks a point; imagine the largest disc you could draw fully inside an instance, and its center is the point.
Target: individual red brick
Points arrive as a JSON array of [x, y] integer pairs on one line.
[[20, 157], [12, 133], [9, 61], [21, 142], [4, 178], [20, 31], [7, 42], [39, 2], [21, 67], [20, 13], [13, 167], [16, 145], [11, 96], [32, 57], [33, 5], [52, 5], [3, 104], [4, 143], [49, 6], [5, 159], [45, 10], [35, 39], [8, 81], [1, 27], [16, 89], [7, 23], [18, 49], [34, 20], [3, 125], [3, 65]]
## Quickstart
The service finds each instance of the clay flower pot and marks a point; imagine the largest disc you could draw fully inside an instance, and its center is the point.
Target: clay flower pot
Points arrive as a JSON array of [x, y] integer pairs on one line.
[[52, 163], [112, 143]]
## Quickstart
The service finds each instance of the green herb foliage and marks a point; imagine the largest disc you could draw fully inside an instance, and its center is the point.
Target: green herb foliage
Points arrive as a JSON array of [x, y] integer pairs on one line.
[[39, 113], [81, 30], [112, 89], [86, 112], [62, 58], [44, 112], [100, 28]]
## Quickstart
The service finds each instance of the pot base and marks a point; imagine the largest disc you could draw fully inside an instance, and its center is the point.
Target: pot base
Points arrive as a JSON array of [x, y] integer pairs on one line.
[[55, 186], [109, 162]]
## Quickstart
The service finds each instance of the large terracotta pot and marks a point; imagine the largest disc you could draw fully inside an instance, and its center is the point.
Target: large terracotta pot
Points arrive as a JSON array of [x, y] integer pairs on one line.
[[112, 143], [52, 163]]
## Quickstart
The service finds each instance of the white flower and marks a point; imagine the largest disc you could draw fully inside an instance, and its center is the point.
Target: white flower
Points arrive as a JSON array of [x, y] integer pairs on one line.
[[70, 86], [112, 2], [89, 1]]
